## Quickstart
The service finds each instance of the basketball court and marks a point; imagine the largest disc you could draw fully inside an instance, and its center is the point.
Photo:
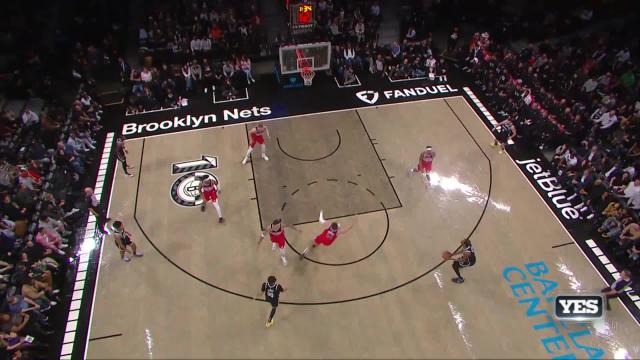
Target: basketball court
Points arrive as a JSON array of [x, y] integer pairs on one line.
[[381, 290]]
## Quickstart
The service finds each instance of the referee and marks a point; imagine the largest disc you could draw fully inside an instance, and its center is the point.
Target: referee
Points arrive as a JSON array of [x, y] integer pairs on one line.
[[618, 287], [272, 290], [503, 132], [93, 206]]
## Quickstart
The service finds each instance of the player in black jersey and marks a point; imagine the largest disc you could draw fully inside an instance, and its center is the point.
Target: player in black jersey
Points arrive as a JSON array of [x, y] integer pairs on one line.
[[272, 290], [121, 154], [124, 241], [463, 257], [503, 132]]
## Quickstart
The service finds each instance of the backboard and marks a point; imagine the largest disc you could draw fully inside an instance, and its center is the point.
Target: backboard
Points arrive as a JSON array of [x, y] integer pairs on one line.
[[293, 58]]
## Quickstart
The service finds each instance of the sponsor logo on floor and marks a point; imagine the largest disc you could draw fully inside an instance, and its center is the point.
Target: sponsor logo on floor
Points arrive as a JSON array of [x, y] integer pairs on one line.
[[371, 97], [532, 285], [547, 184]]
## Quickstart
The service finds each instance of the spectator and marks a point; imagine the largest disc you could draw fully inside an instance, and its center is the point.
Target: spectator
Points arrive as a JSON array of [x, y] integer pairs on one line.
[[245, 65], [349, 77], [614, 290], [29, 118], [49, 241]]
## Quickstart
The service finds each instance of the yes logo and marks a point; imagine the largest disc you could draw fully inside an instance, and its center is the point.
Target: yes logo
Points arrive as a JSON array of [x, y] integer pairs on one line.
[[368, 96], [579, 307]]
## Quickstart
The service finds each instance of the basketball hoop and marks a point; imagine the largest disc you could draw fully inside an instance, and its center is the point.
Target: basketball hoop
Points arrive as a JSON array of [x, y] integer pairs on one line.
[[307, 74]]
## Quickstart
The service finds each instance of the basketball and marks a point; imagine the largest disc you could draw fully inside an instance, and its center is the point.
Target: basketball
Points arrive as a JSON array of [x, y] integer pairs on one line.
[[446, 254]]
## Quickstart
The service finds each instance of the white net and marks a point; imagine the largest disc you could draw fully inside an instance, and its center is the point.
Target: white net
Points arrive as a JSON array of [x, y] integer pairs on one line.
[[307, 75]]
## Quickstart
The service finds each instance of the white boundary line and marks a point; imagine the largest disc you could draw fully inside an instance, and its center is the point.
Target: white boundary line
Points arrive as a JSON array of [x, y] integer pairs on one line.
[[612, 270], [401, 80], [348, 86], [68, 356], [484, 110], [439, 78], [84, 255], [294, 116], [152, 111], [246, 97]]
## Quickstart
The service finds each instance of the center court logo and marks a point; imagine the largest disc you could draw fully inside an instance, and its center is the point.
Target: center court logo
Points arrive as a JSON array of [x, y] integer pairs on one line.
[[185, 190], [368, 96]]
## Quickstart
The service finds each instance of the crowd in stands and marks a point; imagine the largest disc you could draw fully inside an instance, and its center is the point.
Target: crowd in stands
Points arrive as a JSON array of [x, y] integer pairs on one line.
[[577, 100], [352, 28], [46, 151], [170, 85], [203, 28], [182, 44]]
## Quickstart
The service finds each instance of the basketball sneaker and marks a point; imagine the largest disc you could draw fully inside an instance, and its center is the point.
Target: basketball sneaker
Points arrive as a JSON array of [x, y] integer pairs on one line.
[[265, 157], [458, 280], [244, 161], [220, 220], [269, 323], [284, 260]]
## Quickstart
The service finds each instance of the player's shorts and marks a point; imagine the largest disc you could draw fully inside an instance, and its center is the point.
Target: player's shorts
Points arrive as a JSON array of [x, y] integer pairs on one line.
[[501, 135], [321, 240], [210, 196], [425, 166], [126, 241], [278, 239], [468, 263], [256, 139]]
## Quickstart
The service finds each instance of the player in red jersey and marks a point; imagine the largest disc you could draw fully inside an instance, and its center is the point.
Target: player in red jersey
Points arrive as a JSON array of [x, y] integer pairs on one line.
[[209, 190], [278, 238], [257, 137], [425, 162], [328, 236]]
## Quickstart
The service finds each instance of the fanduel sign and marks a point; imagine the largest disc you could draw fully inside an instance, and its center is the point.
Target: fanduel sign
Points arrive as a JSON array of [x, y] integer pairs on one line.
[[371, 97], [194, 122]]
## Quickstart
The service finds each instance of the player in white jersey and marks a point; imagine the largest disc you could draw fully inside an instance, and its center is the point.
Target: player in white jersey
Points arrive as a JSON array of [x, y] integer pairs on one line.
[[425, 163], [257, 137], [209, 190]]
